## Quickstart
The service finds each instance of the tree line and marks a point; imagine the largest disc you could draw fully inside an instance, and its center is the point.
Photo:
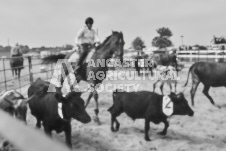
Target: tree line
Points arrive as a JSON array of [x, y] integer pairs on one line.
[[163, 41], [25, 49]]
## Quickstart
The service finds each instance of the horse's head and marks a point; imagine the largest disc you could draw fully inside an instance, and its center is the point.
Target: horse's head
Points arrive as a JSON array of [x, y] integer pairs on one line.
[[113, 45], [118, 42]]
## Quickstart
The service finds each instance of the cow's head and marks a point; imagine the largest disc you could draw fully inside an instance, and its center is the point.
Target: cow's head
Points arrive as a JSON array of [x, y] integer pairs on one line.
[[181, 106], [73, 106], [15, 104]]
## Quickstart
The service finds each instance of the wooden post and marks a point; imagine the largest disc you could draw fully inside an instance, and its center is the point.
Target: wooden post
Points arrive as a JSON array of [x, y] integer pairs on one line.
[[30, 69], [4, 74]]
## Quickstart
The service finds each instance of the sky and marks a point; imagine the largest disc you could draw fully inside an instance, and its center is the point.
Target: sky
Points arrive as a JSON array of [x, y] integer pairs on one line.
[[56, 22]]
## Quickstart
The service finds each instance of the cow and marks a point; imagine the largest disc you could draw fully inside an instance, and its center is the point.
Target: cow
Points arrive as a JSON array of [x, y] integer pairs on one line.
[[165, 74], [55, 110], [211, 74], [15, 104], [149, 106]]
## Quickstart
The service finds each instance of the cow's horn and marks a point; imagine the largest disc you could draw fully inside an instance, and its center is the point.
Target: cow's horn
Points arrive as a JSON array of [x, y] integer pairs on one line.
[[28, 99]]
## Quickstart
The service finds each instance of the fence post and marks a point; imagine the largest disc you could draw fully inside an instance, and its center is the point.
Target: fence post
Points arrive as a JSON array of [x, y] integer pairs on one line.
[[4, 74], [190, 57], [30, 67]]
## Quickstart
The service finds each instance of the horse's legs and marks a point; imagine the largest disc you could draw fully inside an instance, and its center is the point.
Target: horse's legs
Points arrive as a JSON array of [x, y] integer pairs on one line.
[[170, 85], [95, 95], [154, 85], [88, 99], [19, 70], [161, 86], [16, 73], [13, 73]]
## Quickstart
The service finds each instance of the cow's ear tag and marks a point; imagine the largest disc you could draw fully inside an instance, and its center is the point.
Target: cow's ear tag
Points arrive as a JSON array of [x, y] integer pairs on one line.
[[60, 112], [167, 106]]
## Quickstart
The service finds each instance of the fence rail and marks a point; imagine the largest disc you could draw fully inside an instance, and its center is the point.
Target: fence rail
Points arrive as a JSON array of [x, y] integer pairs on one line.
[[30, 70], [198, 55]]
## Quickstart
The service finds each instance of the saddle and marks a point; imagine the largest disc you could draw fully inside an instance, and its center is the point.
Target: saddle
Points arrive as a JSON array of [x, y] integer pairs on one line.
[[75, 56]]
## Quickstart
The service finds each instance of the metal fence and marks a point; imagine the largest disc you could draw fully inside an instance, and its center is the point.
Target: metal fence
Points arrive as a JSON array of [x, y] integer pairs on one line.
[[202, 55], [33, 68]]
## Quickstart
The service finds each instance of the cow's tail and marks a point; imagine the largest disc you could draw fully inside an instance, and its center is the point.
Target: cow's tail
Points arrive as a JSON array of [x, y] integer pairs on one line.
[[114, 98], [188, 75], [52, 58]]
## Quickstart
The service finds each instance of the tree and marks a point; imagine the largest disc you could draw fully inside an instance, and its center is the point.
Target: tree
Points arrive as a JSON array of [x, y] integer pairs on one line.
[[25, 49], [163, 40], [138, 44], [219, 40]]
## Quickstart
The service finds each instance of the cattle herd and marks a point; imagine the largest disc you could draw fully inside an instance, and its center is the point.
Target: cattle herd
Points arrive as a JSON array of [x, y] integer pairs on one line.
[[54, 111]]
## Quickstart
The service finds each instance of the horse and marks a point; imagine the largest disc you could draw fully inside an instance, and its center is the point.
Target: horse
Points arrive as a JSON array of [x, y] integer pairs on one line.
[[16, 64], [113, 44], [165, 59], [138, 67]]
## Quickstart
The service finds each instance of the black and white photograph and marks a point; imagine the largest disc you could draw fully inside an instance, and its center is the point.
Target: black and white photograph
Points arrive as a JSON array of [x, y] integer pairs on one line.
[[112, 75]]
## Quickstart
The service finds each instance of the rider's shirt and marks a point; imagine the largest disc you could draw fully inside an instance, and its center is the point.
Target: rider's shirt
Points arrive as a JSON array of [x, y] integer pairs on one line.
[[86, 36], [16, 50]]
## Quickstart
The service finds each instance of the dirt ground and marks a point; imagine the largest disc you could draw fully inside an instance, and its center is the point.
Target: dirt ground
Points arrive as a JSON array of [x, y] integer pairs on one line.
[[204, 131]]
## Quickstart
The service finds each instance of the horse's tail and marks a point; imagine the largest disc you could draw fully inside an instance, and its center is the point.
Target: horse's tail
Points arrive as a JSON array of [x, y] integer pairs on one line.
[[53, 58]]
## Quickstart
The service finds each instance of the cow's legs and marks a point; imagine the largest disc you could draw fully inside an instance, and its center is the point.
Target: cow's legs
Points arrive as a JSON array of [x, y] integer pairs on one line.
[[165, 128], [38, 123], [113, 119], [146, 130], [205, 92], [47, 130], [67, 132], [193, 90]]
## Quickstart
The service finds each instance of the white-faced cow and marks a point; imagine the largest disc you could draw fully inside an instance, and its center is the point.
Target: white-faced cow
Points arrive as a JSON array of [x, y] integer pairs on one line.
[[211, 74], [149, 106], [15, 104], [54, 110]]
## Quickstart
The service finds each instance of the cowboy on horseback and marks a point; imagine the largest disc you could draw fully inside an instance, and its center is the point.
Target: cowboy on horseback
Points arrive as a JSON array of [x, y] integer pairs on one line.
[[85, 40], [16, 51]]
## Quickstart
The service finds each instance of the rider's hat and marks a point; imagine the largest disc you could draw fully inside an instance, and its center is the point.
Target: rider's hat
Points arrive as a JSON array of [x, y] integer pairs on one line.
[[89, 20]]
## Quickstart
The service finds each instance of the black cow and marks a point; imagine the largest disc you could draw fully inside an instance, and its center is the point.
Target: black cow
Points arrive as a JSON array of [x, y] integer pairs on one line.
[[45, 107], [211, 74], [149, 106]]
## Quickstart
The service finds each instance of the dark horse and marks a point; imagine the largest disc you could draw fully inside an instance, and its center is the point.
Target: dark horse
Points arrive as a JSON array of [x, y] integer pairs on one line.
[[112, 45], [165, 59], [138, 66], [16, 64]]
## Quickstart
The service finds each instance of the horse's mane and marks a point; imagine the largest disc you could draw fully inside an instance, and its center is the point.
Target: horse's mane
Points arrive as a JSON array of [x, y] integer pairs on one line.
[[103, 43]]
